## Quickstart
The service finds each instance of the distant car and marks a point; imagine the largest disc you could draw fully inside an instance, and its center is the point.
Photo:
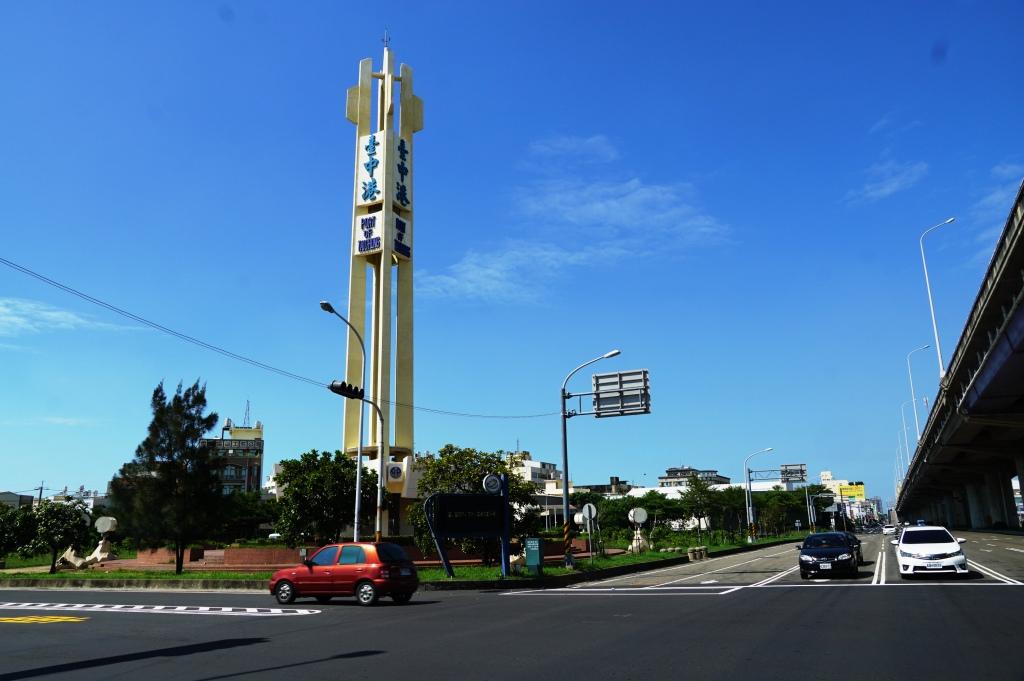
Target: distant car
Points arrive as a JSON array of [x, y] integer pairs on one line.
[[366, 570], [826, 553], [920, 523], [888, 529], [274, 535], [929, 550]]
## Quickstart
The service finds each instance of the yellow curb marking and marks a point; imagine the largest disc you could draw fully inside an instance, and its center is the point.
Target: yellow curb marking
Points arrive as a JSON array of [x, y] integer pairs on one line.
[[40, 619]]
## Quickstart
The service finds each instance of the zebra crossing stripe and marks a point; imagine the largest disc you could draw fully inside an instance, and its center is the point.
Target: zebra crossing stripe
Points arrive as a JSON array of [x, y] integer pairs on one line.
[[162, 609]]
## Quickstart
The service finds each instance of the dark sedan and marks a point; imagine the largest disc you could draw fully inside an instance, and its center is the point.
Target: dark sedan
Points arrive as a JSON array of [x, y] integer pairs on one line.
[[827, 553]]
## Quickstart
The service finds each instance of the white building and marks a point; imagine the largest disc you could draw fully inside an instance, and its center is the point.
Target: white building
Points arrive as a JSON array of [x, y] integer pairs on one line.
[[540, 473]]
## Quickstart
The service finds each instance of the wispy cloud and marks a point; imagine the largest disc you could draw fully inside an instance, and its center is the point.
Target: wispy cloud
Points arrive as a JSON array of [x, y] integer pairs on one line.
[[1008, 171], [990, 211], [575, 220], [887, 178], [596, 148], [19, 316], [881, 124], [36, 421]]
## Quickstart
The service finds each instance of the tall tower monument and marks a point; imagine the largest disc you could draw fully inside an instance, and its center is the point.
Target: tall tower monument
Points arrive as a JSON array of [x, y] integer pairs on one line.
[[382, 242]]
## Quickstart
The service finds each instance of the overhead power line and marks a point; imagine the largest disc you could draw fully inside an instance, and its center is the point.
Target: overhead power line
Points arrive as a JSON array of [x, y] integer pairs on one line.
[[234, 355]]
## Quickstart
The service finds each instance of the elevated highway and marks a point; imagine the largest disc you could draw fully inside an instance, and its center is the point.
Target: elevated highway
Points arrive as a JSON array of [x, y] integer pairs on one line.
[[973, 442]]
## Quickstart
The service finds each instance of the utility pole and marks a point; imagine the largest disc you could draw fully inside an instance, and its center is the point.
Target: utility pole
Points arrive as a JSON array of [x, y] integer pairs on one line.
[[41, 483]]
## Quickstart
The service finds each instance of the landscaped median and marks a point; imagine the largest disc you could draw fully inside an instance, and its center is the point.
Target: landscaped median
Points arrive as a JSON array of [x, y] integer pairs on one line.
[[431, 578]]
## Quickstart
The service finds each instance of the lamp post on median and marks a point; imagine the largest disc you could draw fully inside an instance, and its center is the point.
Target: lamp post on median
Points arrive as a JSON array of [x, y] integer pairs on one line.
[[913, 397], [567, 539], [327, 307], [750, 501], [931, 305]]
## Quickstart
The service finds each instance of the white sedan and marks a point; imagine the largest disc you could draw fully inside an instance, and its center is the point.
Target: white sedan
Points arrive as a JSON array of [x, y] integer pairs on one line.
[[888, 529], [929, 549]]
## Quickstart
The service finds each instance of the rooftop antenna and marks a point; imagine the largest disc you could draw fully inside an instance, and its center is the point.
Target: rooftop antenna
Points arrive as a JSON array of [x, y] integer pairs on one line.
[[245, 420]]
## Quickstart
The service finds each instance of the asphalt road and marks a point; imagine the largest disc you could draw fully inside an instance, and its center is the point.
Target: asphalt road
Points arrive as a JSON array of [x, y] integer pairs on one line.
[[735, 617]]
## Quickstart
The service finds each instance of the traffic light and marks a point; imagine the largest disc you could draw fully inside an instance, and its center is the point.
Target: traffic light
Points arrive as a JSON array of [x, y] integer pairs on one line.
[[345, 390]]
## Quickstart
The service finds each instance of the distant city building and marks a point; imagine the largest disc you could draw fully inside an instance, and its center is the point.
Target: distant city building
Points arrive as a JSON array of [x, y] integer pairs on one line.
[[239, 453], [15, 500], [680, 477], [830, 483], [537, 472], [272, 489], [615, 486]]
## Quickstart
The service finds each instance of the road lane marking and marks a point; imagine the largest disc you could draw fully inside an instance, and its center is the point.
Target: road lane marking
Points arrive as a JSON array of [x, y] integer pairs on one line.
[[161, 609], [40, 620], [763, 582], [1010, 548], [676, 567], [878, 566], [711, 572], [992, 573], [710, 581], [881, 574]]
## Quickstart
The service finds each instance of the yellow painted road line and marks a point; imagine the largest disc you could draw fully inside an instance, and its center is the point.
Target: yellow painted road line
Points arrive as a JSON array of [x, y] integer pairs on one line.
[[41, 619]]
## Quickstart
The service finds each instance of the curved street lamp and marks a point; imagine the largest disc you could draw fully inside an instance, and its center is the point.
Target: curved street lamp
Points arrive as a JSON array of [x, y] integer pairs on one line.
[[327, 307], [931, 305], [913, 397], [567, 538], [750, 500]]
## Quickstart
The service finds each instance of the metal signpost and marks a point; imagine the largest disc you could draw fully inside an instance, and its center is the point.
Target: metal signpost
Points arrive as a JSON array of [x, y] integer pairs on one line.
[[620, 393], [785, 473]]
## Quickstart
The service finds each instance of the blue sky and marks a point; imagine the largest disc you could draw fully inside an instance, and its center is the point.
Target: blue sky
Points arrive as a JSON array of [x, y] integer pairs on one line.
[[731, 194]]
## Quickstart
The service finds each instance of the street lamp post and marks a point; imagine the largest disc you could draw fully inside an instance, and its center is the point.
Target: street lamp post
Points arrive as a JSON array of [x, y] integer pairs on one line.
[[566, 537], [750, 500], [931, 305], [327, 307], [913, 397]]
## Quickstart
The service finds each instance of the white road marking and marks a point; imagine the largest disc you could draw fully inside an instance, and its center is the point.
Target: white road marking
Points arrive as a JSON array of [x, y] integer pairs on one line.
[[992, 573], [711, 572], [881, 574], [763, 582], [676, 567], [1010, 548], [710, 581], [987, 550], [160, 609], [878, 566]]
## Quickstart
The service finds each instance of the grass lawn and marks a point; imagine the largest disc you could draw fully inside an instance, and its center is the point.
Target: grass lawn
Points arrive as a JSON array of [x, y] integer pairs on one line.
[[427, 574]]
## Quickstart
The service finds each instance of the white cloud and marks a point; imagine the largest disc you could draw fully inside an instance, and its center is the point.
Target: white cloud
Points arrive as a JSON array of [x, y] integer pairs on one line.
[[1008, 171], [19, 316], [34, 422], [887, 178], [882, 123], [577, 224], [594, 149], [65, 421]]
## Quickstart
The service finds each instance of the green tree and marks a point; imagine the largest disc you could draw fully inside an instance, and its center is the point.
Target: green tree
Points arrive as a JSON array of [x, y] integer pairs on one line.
[[318, 502], [169, 494], [56, 527], [15, 529], [461, 470], [244, 513], [700, 501]]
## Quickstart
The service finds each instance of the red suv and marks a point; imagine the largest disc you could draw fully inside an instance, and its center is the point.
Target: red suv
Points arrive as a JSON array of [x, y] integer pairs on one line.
[[362, 569]]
